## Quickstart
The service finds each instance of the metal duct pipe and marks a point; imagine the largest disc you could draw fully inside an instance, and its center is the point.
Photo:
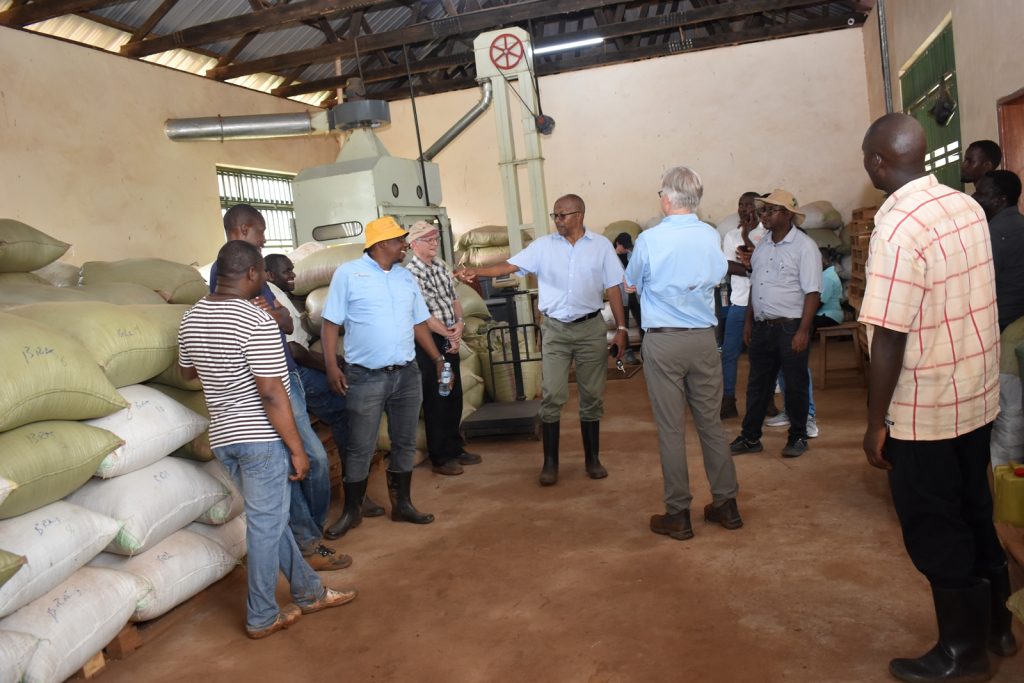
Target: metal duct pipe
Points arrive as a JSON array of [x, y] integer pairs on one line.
[[883, 37], [255, 127], [463, 123]]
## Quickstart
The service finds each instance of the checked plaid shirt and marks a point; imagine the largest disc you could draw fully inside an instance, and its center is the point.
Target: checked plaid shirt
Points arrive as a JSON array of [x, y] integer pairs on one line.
[[437, 287], [930, 275]]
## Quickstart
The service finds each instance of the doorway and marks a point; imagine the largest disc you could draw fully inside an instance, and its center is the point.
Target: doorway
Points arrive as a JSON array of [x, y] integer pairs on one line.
[[1011, 132]]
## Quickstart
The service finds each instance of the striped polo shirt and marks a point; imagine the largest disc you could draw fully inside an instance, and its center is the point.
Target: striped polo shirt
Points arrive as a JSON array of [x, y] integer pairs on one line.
[[229, 343]]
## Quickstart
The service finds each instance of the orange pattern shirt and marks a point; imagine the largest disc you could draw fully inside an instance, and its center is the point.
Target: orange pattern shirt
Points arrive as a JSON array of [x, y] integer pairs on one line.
[[930, 275]]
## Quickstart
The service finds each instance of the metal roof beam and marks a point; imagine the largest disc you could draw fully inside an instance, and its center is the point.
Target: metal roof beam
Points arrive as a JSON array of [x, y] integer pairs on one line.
[[23, 15], [216, 31]]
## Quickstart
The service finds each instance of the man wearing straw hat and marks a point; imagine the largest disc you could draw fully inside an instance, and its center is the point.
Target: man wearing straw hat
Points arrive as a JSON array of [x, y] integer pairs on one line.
[[785, 281]]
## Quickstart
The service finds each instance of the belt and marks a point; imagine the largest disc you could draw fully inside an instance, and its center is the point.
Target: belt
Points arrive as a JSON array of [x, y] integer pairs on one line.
[[588, 316], [675, 329], [386, 368], [776, 321]]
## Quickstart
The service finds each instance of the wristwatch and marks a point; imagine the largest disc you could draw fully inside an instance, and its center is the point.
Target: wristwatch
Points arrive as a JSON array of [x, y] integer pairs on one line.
[[620, 327]]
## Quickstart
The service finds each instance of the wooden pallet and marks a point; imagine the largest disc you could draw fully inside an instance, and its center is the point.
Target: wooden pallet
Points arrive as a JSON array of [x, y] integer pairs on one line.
[[135, 635]]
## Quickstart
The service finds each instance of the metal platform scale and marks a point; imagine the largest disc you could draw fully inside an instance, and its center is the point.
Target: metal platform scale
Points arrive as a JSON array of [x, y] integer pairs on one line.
[[501, 418]]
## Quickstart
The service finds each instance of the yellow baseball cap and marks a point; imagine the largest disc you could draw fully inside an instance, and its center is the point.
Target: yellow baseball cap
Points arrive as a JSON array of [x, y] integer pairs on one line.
[[381, 229]]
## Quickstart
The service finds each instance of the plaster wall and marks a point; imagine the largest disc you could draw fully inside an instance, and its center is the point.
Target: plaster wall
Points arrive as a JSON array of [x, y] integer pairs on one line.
[[85, 158], [986, 38], [785, 113]]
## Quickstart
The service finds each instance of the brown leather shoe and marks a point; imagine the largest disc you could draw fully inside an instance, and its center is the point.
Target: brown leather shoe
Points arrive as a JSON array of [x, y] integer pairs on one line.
[[288, 615], [727, 514], [331, 598], [326, 559], [452, 468], [467, 458], [675, 525]]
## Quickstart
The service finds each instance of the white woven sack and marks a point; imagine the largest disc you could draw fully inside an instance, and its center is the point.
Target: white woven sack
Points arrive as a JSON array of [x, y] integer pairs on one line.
[[223, 510], [16, 650], [175, 569], [230, 536], [74, 621], [6, 486], [56, 540], [151, 503], [152, 426]]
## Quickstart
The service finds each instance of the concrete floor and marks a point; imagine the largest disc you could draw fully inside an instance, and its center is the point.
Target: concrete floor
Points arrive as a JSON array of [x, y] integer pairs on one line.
[[567, 584]]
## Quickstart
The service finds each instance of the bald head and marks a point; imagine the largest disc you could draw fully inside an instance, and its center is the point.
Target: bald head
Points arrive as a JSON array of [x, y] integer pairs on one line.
[[894, 148]]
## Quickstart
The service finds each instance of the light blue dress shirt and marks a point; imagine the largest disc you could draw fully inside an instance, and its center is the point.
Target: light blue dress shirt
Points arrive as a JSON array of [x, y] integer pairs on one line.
[[378, 309], [831, 293], [675, 267], [572, 277], [784, 273]]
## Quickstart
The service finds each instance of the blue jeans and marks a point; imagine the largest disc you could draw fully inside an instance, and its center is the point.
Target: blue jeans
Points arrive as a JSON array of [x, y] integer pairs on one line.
[[810, 392], [328, 406], [260, 470], [310, 497], [732, 346], [372, 393]]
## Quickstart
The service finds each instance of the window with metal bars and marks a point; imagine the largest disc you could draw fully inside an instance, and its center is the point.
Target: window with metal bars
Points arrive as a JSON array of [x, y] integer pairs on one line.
[[929, 82], [271, 193]]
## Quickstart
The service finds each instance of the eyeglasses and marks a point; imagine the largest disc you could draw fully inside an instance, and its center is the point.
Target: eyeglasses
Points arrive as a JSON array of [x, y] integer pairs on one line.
[[562, 216], [765, 209], [661, 193], [427, 240]]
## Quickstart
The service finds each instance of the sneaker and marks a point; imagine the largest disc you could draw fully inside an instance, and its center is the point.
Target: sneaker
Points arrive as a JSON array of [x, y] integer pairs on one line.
[[331, 598], [742, 445], [451, 468], [812, 428], [326, 559], [467, 458], [780, 420], [285, 618], [794, 448]]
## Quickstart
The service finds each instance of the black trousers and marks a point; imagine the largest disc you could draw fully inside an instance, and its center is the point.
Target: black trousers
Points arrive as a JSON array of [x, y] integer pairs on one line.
[[941, 494], [771, 350], [442, 415], [632, 305]]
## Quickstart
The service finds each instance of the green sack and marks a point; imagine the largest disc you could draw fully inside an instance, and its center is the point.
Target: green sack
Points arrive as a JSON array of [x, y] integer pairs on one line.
[[47, 375], [48, 460], [23, 248], [317, 269], [129, 346], [176, 282], [120, 293], [9, 565]]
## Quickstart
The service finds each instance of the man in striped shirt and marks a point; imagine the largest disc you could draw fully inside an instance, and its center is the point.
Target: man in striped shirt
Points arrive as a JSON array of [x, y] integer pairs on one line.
[[933, 393], [234, 348]]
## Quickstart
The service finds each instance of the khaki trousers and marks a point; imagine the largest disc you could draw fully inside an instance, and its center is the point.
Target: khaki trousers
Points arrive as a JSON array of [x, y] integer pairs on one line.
[[682, 367], [586, 344]]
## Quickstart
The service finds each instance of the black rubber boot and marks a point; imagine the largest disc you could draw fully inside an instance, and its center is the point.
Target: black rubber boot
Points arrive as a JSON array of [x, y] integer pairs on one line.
[[963, 615], [591, 432], [371, 508], [402, 510], [549, 474], [352, 512], [1001, 640]]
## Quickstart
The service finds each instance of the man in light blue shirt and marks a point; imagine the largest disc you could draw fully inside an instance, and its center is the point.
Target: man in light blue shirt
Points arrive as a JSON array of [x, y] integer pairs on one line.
[[576, 269], [384, 316], [675, 268]]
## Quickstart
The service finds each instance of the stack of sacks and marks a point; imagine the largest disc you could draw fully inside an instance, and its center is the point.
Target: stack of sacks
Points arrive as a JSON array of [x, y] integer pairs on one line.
[[313, 273], [825, 226], [176, 283], [486, 246], [615, 228]]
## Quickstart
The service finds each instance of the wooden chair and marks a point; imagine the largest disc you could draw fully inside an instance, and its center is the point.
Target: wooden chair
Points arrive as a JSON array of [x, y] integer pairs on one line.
[[843, 330]]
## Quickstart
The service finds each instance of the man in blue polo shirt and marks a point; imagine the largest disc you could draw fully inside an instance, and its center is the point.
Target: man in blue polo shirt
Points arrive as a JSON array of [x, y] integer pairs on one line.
[[575, 268], [384, 315], [675, 268], [311, 497]]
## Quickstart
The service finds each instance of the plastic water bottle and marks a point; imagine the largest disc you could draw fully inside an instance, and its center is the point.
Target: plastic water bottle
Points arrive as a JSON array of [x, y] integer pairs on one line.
[[445, 387]]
